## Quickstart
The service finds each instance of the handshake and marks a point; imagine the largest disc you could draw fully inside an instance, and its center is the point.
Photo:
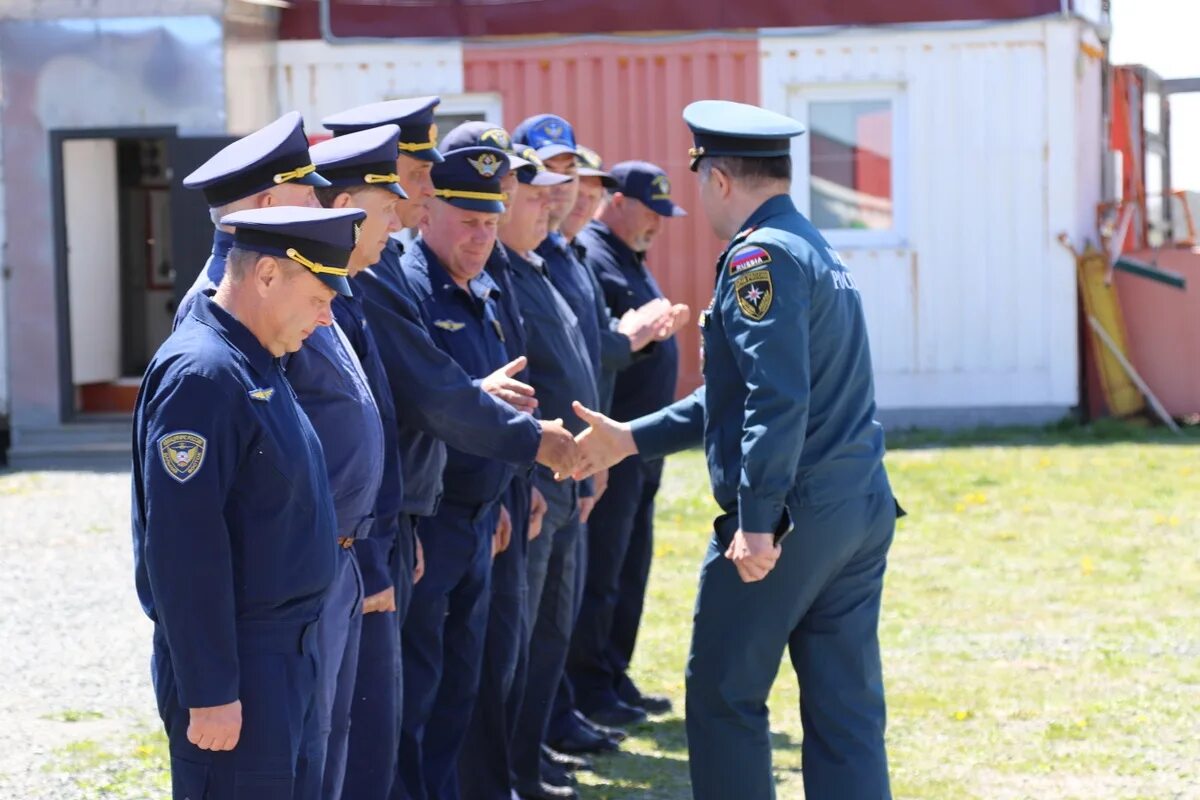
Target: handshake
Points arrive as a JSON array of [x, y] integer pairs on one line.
[[604, 443]]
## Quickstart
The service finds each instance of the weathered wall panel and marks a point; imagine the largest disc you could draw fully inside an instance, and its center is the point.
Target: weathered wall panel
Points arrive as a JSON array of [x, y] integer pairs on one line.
[[625, 100]]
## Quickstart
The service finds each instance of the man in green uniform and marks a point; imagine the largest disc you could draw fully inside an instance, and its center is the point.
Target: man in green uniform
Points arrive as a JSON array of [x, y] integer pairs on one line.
[[787, 420]]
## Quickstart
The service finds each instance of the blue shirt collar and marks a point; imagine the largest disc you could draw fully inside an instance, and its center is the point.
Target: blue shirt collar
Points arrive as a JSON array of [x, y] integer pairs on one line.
[[222, 244], [774, 206], [623, 251], [207, 312]]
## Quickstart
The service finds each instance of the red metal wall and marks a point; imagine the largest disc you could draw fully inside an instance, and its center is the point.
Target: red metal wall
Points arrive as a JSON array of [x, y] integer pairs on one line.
[[625, 100]]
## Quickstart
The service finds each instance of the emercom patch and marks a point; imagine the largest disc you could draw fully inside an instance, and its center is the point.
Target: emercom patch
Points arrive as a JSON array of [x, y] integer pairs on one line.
[[748, 257], [754, 293]]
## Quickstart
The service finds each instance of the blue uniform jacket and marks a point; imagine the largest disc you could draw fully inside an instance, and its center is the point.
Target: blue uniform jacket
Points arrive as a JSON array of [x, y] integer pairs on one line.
[[560, 366], [465, 325], [648, 383], [437, 403], [609, 349], [787, 412], [232, 518], [209, 278], [373, 552], [333, 391]]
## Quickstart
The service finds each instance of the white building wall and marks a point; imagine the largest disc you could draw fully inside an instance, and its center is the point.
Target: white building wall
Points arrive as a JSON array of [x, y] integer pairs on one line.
[[318, 79], [972, 306]]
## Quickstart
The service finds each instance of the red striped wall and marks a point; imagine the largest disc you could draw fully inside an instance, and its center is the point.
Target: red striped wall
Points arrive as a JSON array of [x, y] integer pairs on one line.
[[625, 100]]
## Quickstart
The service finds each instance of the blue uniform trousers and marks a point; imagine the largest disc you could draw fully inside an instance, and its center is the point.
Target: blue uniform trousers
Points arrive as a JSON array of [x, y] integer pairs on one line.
[[338, 633], [821, 602], [442, 642], [618, 566], [376, 710], [483, 768], [551, 608], [277, 667], [562, 713]]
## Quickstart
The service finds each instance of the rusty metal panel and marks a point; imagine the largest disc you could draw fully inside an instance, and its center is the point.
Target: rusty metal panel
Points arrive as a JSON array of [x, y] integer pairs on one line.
[[625, 100]]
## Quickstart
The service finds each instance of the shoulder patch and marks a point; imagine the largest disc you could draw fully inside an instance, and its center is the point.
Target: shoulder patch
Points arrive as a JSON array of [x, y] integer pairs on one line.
[[754, 292], [262, 395], [748, 257], [182, 454], [449, 325]]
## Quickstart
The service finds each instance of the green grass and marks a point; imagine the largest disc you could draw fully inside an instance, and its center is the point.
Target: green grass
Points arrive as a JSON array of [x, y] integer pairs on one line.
[[1040, 628], [133, 769]]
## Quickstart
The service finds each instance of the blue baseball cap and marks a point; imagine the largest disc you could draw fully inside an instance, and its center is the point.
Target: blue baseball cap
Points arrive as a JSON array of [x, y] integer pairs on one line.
[[414, 116], [534, 171], [362, 158], [725, 128], [548, 134], [469, 178], [646, 182], [320, 239], [268, 157]]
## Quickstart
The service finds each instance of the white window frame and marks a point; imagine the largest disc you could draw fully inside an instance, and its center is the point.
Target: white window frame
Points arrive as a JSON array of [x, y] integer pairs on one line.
[[490, 104], [799, 98]]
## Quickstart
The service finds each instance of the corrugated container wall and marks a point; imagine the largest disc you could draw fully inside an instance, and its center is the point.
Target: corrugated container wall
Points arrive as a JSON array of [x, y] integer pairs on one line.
[[625, 100]]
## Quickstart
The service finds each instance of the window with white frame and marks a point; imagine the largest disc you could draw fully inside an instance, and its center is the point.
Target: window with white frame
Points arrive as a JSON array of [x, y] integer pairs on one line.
[[850, 166], [456, 109]]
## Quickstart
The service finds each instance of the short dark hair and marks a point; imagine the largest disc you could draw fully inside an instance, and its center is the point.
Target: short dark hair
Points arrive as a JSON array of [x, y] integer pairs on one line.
[[327, 194], [751, 170]]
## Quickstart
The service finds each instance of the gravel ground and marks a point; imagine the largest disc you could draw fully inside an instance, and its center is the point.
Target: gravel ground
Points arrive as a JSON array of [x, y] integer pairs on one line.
[[74, 644]]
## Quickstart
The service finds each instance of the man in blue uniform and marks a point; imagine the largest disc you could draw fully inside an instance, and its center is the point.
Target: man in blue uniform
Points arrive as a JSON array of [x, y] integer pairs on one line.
[[620, 550], [333, 390], [270, 167], [484, 767], [612, 345], [233, 526], [437, 402], [443, 637], [787, 418]]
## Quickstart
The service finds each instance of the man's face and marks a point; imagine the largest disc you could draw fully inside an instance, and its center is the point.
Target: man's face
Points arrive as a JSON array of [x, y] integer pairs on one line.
[[461, 239], [416, 182], [528, 220], [591, 194], [290, 194], [643, 224], [296, 303], [562, 196], [508, 185], [383, 217]]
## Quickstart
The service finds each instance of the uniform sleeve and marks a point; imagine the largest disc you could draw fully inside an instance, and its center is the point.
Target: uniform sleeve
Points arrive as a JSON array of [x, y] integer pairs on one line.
[[671, 429], [436, 395], [765, 313], [192, 452], [374, 553]]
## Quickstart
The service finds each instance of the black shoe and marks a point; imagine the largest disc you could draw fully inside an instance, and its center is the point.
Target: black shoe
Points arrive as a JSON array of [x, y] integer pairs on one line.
[[567, 762], [544, 791], [554, 774], [655, 703], [616, 734], [582, 739], [631, 695], [617, 715]]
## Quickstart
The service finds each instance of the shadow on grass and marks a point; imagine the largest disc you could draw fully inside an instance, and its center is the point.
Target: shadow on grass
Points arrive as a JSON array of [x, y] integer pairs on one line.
[[1066, 433]]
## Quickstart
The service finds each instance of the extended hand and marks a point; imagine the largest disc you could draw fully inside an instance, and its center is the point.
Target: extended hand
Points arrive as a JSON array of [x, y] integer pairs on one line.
[[604, 443], [537, 513], [754, 554], [502, 385], [503, 535], [380, 601], [215, 727], [673, 321], [558, 449]]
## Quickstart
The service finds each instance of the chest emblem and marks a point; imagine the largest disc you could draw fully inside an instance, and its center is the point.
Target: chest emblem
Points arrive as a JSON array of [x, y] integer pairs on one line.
[[748, 257], [449, 325], [261, 395], [754, 293], [182, 453]]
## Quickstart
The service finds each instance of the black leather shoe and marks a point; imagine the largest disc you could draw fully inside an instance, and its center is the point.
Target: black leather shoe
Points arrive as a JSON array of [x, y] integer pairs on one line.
[[616, 734], [567, 762], [618, 715], [655, 703], [555, 775], [582, 739], [544, 791]]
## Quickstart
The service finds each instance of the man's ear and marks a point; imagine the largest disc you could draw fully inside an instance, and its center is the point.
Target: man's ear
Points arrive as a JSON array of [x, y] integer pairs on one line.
[[343, 200], [266, 273]]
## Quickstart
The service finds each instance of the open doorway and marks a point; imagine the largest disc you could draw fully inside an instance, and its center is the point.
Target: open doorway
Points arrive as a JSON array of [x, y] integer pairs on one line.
[[128, 236]]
